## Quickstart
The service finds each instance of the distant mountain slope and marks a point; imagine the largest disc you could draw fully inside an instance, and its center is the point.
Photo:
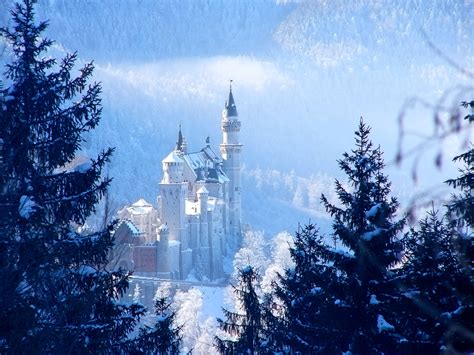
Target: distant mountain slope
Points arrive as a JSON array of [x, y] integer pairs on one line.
[[304, 72], [331, 32], [131, 30]]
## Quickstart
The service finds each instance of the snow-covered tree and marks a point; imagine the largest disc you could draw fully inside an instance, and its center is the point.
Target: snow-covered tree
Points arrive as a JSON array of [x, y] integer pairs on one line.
[[164, 290], [367, 246], [137, 293], [280, 260], [426, 284], [304, 314], [253, 252], [188, 307], [204, 343], [56, 293], [365, 230], [242, 331], [165, 337], [461, 215]]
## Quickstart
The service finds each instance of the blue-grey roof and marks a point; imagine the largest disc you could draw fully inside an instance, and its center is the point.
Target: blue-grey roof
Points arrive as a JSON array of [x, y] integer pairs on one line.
[[230, 110], [206, 164]]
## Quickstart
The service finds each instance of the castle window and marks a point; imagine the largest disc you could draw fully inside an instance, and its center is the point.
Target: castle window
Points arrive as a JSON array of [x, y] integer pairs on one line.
[[236, 188]]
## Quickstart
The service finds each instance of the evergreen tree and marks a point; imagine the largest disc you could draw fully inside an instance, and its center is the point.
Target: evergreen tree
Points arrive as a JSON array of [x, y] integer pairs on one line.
[[306, 320], [56, 295], [366, 232], [427, 286], [461, 215], [244, 329], [165, 336]]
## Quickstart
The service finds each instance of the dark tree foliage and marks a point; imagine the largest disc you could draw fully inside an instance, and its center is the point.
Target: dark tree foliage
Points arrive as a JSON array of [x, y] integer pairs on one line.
[[339, 295], [427, 284], [367, 247], [461, 216], [56, 295], [165, 337], [246, 328], [309, 294]]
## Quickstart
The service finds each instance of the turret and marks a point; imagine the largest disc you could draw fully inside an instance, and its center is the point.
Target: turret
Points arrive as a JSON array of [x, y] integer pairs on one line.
[[163, 236], [230, 123], [231, 150], [202, 196], [173, 192], [173, 167]]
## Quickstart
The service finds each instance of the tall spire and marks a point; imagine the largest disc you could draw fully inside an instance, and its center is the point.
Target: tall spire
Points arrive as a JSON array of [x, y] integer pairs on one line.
[[230, 110], [179, 143]]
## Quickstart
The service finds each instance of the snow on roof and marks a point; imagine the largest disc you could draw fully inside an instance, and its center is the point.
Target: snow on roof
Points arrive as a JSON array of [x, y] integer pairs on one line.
[[141, 203], [202, 190], [211, 154], [135, 231], [197, 160], [140, 207], [172, 158], [206, 162]]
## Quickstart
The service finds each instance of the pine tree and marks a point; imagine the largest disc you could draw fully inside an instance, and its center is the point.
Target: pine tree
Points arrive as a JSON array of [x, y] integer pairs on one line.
[[427, 283], [367, 236], [245, 328], [56, 295], [165, 336], [306, 320], [461, 215]]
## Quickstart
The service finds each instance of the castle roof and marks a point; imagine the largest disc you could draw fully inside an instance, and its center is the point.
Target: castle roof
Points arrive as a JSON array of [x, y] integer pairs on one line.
[[179, 143], [206, 165], [141, 203], [131, 227], [202, 190], [140, 207], [230, 110], [172, 158]]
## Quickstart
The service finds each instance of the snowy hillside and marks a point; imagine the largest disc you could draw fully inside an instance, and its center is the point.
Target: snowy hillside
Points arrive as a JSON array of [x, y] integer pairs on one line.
[[301, 71]]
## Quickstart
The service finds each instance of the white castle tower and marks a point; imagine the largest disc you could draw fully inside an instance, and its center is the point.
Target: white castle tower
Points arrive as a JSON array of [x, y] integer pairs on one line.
[[173, 191], [230, 150]]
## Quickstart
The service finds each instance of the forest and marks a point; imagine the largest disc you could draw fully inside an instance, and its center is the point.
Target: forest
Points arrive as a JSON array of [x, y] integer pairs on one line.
[[375, 278]]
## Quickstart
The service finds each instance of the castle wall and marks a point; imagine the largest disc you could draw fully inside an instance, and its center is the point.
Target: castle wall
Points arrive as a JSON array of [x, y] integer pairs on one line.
[[145, 259], [172, 210]]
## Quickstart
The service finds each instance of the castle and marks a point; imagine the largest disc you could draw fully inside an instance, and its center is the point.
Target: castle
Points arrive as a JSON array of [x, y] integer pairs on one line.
[[197, 219]]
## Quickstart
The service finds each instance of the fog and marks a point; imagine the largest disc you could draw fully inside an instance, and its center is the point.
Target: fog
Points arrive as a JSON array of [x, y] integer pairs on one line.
[[303, 74]]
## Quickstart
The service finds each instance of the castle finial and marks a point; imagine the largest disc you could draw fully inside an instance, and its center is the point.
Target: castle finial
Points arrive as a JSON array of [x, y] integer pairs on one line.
[[179, 143], [230, 85]]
